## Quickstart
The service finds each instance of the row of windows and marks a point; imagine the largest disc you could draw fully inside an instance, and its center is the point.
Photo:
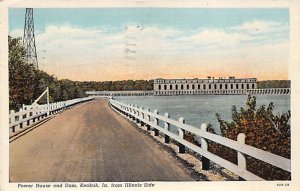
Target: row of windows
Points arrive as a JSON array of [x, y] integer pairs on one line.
[[164, 87], [200, 92]]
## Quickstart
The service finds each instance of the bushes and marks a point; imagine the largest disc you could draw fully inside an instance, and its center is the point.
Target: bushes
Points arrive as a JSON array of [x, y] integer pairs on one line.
[[263, 130]]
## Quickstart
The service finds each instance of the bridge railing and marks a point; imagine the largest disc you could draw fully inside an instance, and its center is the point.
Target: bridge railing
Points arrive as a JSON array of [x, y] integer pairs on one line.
[[151, 120], [31, 114]]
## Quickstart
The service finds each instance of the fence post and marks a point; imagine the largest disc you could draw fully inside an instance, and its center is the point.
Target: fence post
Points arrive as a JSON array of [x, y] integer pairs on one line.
[[167, 127], [31, 121], [22, 124], [41, 109], [156, 122], [12, 118], [20, 116], [142, 114], [204, 146], [54, 108], [131, 112], [120, 109], [134, 112], [48, 100], [33, 115], [38, 111], [50, 108], [148, 120], [138, 115], [46, 109], [57, 107], [181, 133], [241, 157], [27, 116], [126, 110]]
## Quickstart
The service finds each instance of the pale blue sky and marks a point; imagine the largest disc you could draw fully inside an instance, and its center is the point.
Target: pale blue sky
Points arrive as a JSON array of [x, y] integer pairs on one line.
[[192, 41], [117, 18]]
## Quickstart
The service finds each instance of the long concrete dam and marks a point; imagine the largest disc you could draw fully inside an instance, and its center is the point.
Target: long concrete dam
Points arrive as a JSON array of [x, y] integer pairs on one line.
[[269, 91]]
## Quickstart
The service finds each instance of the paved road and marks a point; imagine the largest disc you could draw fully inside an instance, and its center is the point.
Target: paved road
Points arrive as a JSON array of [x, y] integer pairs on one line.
[[90, 143]]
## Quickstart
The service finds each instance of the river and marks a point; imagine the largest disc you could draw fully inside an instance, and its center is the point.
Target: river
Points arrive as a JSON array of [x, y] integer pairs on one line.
[[200, 109]]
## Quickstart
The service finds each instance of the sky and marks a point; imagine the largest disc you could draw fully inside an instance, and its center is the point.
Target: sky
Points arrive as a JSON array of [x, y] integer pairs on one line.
[[101, 44]]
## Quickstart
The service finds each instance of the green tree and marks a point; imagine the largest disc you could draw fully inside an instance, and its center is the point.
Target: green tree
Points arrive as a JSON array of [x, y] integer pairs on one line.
[[26, 83], [21, 76]]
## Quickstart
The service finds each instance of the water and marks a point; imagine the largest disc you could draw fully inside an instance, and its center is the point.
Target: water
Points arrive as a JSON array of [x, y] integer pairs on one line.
[[202, 109]]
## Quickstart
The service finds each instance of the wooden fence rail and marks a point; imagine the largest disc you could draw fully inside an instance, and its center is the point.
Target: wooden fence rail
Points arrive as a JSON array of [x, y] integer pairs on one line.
[[31, 114], [151, 119]]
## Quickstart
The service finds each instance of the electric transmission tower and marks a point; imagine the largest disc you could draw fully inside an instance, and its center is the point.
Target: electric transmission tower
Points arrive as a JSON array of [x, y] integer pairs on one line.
[[29, 39]]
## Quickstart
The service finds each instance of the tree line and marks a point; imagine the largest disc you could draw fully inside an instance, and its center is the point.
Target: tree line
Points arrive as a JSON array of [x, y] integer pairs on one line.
[[124, 85]]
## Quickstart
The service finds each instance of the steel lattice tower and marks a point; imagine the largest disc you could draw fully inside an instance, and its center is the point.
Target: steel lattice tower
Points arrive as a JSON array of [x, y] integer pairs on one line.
[[29, 39]]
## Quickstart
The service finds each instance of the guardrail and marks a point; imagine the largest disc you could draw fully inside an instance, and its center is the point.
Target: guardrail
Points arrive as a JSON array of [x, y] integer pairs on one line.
[[151, 119], [31, 114]]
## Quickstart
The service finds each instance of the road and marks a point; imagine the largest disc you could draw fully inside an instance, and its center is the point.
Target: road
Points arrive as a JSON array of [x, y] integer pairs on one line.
[[91, 142]]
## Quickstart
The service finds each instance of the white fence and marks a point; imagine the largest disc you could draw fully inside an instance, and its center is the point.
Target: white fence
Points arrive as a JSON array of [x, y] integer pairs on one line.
[[29, 115], [151, 119]]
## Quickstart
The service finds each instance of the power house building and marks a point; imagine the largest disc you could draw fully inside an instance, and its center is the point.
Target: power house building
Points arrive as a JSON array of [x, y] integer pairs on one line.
[[209, 85]]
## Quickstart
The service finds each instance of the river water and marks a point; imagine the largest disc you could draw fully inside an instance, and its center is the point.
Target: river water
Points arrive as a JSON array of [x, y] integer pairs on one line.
[[200, 109]]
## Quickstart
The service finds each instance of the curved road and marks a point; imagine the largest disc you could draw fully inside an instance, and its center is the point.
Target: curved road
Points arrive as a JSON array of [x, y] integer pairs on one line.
[[90, 142]]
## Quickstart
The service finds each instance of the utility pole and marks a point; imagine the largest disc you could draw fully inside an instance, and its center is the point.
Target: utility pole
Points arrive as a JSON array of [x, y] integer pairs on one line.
[[29, 39]]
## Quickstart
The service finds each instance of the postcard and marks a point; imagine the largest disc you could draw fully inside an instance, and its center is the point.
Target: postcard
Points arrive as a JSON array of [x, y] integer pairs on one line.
[[149, 95]]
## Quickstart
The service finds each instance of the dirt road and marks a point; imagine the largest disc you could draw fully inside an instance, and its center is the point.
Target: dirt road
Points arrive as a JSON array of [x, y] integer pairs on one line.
[[90, 143]]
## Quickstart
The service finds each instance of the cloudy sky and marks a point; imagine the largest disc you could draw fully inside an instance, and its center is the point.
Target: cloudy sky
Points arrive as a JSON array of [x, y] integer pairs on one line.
[[146, 43]]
